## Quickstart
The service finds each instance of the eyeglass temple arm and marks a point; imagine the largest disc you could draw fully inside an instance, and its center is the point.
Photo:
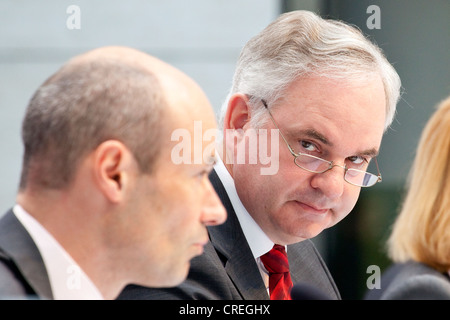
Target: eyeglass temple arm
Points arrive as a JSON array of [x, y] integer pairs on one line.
[[275, 124], [378, 170]]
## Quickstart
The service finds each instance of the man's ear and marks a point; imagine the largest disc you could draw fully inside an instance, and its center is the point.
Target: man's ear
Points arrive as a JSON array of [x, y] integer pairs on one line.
[[112, 164], [235, 123], [238, 112]]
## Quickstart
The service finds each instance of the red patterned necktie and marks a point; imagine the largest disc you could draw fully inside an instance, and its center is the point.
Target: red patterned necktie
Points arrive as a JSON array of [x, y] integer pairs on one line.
[[276, 263]]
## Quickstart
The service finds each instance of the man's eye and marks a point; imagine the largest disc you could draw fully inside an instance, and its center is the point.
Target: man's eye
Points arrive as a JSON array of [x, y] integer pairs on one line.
[[358, 160], [308, 146]]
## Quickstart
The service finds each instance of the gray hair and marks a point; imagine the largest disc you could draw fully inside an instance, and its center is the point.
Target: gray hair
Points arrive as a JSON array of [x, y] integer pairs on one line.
[[83, 105], [300, 43]]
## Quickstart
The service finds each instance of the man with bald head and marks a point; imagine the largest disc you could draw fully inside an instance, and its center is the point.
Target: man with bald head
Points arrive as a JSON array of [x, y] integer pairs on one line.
[[101, 204]]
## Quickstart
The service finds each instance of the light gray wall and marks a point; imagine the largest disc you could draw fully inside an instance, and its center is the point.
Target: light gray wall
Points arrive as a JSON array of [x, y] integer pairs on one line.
[[201, 37]]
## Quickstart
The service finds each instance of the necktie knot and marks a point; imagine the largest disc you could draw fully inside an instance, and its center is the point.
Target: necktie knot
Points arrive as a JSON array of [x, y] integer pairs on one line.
[[276, 263], [276, 260]]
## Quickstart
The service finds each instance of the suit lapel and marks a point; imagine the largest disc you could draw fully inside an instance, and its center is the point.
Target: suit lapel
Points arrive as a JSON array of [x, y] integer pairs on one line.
[[295, 262], [17, 243], [230, 241]]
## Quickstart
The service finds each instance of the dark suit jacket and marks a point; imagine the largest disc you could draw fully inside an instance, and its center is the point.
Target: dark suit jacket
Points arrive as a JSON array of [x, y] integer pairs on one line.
[[411, 281], [22, 271], [227, 269]]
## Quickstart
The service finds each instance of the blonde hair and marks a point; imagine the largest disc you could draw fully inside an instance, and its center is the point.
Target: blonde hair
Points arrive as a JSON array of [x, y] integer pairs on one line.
[[301, 43], [421, 231]]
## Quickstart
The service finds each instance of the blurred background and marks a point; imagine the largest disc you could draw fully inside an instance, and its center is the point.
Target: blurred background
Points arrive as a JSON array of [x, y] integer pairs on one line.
[[203, 38]]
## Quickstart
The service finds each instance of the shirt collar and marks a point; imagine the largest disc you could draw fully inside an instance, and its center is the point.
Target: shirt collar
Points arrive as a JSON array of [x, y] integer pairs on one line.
[[67, 280], [258, 241]]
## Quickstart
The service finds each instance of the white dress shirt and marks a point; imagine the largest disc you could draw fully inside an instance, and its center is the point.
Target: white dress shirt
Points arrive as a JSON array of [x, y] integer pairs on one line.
[[258, 241], [67, 279]]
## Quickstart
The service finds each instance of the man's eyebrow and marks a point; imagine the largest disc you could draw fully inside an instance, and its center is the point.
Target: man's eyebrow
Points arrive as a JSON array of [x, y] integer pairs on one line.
[[369, 152], [311, 133]]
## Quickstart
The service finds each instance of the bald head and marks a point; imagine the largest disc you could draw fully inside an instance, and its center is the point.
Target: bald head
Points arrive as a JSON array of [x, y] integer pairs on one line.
[[176, 87], [164, 72], [108, 93]]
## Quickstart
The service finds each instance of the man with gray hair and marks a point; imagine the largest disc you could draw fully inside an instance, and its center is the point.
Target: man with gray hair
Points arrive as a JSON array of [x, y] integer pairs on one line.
[[101, 204], [326, 95]]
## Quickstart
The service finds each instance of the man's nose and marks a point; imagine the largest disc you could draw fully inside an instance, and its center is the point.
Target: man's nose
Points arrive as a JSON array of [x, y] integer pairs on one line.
[[214, 211]]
